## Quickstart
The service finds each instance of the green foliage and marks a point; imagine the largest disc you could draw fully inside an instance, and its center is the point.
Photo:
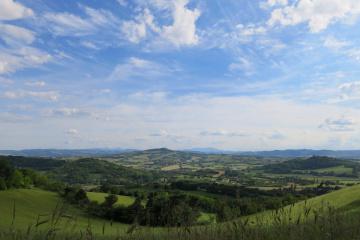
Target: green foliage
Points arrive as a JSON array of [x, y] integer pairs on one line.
[[2, 184], [110, 200], [36, 163], [34, 206], [11, 177], [315, 162], [16, 180], [94, 171]]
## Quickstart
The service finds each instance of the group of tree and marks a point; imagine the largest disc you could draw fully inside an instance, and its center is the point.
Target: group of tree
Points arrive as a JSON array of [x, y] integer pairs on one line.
[[312, 163], [156, 209], [11, 177]]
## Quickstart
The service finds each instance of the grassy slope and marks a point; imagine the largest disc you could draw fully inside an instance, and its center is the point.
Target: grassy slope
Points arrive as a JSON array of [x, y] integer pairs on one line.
[[347, 199], [100, 197], [32, 202]]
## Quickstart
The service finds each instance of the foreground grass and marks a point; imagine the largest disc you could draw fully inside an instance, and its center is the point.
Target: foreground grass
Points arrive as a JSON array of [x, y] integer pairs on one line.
[[328, 224], [346, 200], [22, 208], [40, 215]]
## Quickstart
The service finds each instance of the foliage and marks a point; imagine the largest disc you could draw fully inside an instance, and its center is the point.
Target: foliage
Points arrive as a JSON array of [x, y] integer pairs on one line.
[[11, 177], [312, 163], [94, 171]]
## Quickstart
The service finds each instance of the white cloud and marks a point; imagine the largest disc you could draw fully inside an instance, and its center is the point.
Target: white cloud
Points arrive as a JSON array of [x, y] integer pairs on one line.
[[137, 68], [8, 117], [181, 32], [134, 31], [335, 44], [36, 84], [64, 24], [338, 125], [24, 57], [5, 81], [222, 133], [72, 131], [12, 34], [183, 29], [68, 112], [243, 65], [273, 3], [350, 91], [11, 10], [354, 53], [250, 30], [138, 29], [122, 2], [68, 24], [276, 135], [318, 14], [45, 95], [100, 17], [90, 45], [176, 122], [277, 2]]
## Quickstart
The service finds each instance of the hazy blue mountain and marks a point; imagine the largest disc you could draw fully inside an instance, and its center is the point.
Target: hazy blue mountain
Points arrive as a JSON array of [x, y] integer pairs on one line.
[[289, 153], [64, 152], [209, 151], [304, 153]]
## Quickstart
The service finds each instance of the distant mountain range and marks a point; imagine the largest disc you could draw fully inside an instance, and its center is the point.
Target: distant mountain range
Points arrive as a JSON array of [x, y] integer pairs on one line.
[[58, 153], [291, 153]]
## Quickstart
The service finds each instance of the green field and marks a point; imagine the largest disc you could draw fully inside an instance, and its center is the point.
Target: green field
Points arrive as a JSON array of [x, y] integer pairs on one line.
[[347, 200], [31, 203], [100, 197]]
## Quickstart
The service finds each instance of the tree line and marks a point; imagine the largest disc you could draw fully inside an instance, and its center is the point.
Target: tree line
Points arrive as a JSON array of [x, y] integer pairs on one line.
[[11, 177]]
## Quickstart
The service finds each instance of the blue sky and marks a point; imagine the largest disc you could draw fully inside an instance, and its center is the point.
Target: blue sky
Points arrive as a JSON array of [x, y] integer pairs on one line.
[[229, 74]]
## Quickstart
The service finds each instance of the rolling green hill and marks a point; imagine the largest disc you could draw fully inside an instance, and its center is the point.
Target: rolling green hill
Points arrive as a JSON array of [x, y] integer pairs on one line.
[[31, 203], [312, 163], [83, 170], [347, 200], [94, 171]]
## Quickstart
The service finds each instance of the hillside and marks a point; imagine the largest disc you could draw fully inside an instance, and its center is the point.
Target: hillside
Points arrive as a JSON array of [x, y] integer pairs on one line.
[[312, 163], [31, 203], [166, 159], [61, 153], [36, 163], [347, 200], [94, 171], [83, 171]]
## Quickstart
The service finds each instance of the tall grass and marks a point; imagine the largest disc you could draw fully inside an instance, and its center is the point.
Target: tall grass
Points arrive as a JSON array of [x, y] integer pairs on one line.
[[324, 223]]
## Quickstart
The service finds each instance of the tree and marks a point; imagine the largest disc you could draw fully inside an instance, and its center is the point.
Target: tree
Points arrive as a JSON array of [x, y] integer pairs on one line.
[[110, 200], [81, 198], [135, 211], [17, 179], [2, 184], [6, 170]]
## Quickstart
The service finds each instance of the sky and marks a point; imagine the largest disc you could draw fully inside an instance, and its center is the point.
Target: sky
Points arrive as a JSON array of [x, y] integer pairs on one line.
[[226, 74]]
